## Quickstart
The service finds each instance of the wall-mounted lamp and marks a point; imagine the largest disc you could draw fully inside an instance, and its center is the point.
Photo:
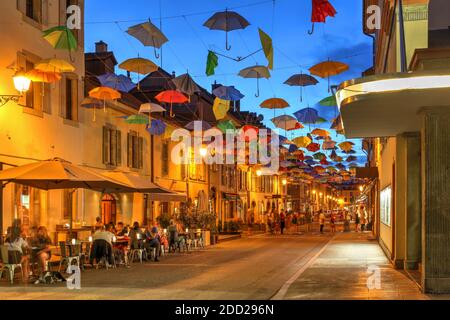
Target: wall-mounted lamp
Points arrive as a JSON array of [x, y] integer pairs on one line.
[[22, 85]]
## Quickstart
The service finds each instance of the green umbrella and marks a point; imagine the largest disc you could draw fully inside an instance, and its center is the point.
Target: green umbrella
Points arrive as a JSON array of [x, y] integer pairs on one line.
[[319, 156], [137, 119], [61, 37], [226, 125], [328, 101], [321, 120]]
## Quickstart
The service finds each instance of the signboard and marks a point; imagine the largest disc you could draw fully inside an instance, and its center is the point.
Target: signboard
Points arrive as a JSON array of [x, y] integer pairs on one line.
[[385, 206]]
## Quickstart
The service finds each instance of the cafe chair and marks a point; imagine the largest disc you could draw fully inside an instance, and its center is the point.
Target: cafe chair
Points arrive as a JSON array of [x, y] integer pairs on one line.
[[67, 256], [10, 267]]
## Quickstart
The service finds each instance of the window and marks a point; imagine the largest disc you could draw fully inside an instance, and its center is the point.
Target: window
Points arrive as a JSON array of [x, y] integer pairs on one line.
[[38, 95], [33, 10], [165, 159], [385, 206], [112, 146], [135, 150], [70, 103]]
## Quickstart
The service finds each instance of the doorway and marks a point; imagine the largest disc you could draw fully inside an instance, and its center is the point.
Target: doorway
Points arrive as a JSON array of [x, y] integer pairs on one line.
[[109, 209]]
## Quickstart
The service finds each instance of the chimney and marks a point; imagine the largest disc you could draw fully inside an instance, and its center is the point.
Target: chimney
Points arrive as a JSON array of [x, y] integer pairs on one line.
[[101, 47], [173, 74]]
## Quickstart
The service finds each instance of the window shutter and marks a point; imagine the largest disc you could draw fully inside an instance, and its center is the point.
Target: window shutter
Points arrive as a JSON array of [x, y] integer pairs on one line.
[[74, 83], [47, 107], [113, 147], [119, 147], [105, 145], [141, 152], [129, 150], [62, 94]]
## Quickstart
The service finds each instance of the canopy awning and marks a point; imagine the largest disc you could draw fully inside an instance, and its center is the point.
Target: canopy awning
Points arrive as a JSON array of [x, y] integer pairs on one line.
[[390, 104]]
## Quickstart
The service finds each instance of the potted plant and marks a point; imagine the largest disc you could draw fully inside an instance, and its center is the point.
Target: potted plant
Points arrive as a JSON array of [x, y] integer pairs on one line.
[[164, 220]]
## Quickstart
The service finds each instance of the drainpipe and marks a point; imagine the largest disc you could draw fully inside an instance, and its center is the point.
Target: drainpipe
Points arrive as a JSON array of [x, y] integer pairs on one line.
[[404, 66]]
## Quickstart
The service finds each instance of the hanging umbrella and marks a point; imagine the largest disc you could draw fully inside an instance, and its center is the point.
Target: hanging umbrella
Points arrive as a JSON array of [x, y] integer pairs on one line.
[[150, 108], [171, 96], [319, 169], [104, 93], [285, 122], [319, 156], [255, 72], [220, 108], [321, 120], [247, 132], [226, 21], [140, 66], [313, 147], [340, 166], [324, 162], [293, 148], [301, 80], [186, 84], [328, 102], [328, 69], [61, 37], [116, 82], [329, 145], [320, 132], [337, 124], [333, 155], [92, 103], [331, 169], [338, 159], [198, 123], [157, 127], [36, 75], [321, 9], [346, 146], [307, 115], [228, 93], [137, 119], [350, 152], [274, 103], [353, 165], [302, 142], [149, 35], [351, 159], [54, 65], [226, 125]]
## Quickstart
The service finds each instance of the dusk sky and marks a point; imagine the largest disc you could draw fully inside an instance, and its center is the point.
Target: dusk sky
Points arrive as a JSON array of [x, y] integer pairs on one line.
[[286, 21]]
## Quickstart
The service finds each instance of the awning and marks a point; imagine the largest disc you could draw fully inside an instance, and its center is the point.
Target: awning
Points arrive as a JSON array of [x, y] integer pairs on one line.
[[168, 197], [230, 196], [387, 105]]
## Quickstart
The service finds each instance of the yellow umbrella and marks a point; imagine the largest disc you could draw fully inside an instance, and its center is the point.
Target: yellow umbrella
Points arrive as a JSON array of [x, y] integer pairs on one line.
[[302, 142], [54, 65], [328, 69], [43, 76], [104, 93], [139, 66], [346, 146], [221, 108], [320, 133]]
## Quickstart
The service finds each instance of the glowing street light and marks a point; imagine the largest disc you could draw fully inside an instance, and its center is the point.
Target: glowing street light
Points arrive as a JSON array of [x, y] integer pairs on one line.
[[361, 188], [284, 182], [21, 82], [203, 152], [259, 173]]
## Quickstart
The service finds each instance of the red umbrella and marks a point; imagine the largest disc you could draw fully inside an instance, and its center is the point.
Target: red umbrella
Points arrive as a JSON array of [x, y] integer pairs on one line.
[[171, 96], [247, 132], [313, 147], [321, 9]]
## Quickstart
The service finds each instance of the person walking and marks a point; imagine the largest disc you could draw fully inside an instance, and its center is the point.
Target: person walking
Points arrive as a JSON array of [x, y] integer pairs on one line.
[[363, 219], [333, 223], [321, 220], [282, 221], [357, 221]]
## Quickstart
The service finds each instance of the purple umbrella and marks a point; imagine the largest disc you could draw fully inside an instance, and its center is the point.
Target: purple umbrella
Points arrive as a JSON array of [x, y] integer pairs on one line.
[[307, 115], [228, 93], [157, 128], [116, 82]]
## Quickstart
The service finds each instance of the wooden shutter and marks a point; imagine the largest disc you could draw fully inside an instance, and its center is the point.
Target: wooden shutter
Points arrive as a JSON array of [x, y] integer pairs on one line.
[[113, 147], [119, 147], [129, 150], [106, 146], [74, 93], [141, 152]]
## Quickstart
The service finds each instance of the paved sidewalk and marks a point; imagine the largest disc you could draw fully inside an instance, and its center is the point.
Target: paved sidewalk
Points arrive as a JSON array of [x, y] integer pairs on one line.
[[340, 272]]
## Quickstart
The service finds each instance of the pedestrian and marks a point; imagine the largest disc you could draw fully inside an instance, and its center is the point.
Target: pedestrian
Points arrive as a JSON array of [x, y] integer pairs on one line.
[[282, 221], [333, 222], [363, 219], [321, 220], [357, 221]]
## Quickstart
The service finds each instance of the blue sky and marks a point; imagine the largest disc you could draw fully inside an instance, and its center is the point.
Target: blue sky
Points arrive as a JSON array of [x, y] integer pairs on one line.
[[286, 21]]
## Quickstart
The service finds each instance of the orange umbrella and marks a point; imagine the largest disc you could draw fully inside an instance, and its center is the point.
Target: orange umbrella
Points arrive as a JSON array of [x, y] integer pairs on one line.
[[43, 76], [328, 69], [274, 103], [104, 93], [171, 96], [320, 133], [346, 146]]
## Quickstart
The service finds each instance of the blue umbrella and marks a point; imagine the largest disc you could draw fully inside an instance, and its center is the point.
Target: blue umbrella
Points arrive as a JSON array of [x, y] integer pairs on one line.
[[157, 128], [307, 115], [228, 93], [292, 148], [116, 82]]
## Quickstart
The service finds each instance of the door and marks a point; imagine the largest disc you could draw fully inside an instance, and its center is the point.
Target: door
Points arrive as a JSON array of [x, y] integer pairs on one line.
[[109, 209]]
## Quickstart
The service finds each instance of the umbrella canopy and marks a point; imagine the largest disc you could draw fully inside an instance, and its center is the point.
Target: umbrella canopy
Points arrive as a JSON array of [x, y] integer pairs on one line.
[[157, 127], [226, 21], [60, 174], [321, 9], [91, 103], [226, 125], [313, 147], [171, 96], [151, 107], [54, 65], [286, 122], [346, 146], [137, 119], [61, 37], [329, 145], [149, 35], [337, 124], [328, 102], [249, 132], [255, 72], [186, 84], [328, 69], [319, 156], [307, 115], [139, 66], [274, 103], [228, 93], [302, 142], [301, 80], [116, 82], [200, 124], [320, 132], [351, 159], [220, 108], [104, 93], [36, 75]]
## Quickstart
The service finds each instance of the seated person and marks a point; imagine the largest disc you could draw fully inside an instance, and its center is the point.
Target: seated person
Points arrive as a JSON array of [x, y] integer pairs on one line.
[[175, 239], [18, 250], [121, 231], [41, 248], [98, 224], [136, 237], [153, 241], [102, 245], [122, 245]]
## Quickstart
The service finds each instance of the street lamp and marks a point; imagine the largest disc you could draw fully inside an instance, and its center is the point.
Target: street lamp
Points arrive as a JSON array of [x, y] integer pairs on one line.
[[259, 173], [21, 84], [361, 188], [284, 182], [203, 152]]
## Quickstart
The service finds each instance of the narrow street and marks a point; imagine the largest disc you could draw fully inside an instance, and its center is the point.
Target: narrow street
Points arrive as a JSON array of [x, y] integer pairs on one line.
[[300, 266]]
